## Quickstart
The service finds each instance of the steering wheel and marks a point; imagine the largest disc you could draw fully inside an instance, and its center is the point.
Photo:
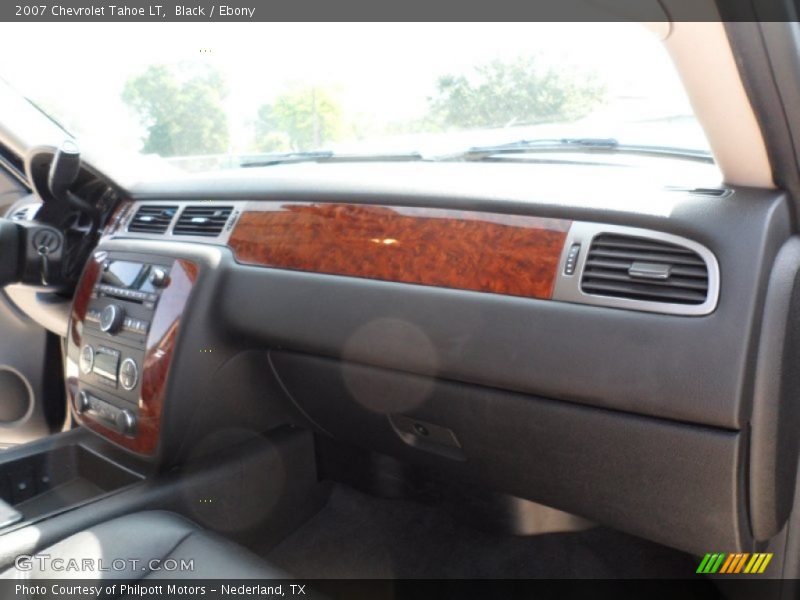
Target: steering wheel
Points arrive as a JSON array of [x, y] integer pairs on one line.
[[38, 253]]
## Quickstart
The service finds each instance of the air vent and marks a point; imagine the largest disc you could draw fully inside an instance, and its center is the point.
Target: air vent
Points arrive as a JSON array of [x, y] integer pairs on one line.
[[638, 268], [207, 221], [152, 219]]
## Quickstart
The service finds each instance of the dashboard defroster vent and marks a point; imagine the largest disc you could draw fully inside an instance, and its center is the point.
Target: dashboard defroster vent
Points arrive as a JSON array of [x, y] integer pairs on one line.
[[710, 192], [152, 219], [207, 221], [637, 268]]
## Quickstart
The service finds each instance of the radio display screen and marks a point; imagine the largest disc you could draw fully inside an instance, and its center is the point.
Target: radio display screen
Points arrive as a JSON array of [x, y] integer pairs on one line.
[[128, 275], [106, 364]]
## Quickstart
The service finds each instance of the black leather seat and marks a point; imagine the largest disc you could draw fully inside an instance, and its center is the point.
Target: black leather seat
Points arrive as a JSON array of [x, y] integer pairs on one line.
[[136, 545]]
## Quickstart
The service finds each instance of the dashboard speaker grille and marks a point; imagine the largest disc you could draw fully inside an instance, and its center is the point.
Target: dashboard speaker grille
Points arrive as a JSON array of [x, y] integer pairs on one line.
[[639, 268], [208, 221], [152, 219]]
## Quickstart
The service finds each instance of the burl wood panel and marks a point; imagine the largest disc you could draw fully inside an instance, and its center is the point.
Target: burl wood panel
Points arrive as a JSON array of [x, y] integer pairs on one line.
[[486, 252], [117, 217], [159, 351]]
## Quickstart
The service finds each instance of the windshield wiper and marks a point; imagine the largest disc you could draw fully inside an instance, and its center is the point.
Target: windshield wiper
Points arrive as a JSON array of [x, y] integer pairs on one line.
[[266, 160], [582, 145]]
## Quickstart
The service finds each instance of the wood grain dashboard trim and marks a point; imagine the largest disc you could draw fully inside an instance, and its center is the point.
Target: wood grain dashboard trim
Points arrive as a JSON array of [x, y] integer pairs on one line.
[[117, 217], [159, 351], [515, 255]]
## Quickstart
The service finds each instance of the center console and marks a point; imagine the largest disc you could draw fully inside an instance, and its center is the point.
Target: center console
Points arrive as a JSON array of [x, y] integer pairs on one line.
[[123, 329]]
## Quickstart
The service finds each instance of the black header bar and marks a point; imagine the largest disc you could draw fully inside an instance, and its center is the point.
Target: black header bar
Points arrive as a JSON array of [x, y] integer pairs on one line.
[[154, 11]]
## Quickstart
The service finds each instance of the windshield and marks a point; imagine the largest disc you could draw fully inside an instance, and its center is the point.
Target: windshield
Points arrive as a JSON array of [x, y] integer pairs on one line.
[[201, 100]]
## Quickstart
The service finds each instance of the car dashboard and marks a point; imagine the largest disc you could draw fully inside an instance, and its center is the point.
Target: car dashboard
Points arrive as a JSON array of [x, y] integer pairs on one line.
[[600, 347]]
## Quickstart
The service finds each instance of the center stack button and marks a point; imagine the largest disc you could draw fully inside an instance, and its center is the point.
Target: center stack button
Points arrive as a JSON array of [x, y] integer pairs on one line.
[[128, 374], [86, 359], [111, 318]]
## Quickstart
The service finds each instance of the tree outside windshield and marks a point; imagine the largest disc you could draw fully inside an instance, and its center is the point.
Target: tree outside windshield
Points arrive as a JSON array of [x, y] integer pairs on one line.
[[200, 98]]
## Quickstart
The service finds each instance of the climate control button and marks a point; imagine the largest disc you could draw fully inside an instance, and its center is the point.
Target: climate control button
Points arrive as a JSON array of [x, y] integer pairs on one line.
[[86, 359], [125, 421], [82, 402], [128, 374]]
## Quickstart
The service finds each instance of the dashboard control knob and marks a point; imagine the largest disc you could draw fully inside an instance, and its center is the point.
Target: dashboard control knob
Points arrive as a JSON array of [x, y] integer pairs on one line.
[[128, 374], [126, 422], [111, 318], [86, 359], [82, 403], [158, 277]]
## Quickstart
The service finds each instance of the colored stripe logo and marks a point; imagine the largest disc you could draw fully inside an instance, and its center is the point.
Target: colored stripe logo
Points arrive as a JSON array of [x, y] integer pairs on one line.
[[736, 563]]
